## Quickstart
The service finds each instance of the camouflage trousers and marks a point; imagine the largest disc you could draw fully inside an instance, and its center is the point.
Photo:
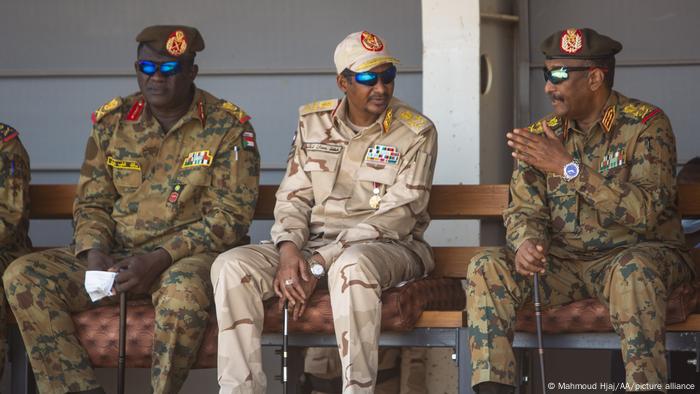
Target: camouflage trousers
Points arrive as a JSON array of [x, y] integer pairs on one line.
[[633, 283], [325, 363], [45, 288], [5, 259], [242, 279]]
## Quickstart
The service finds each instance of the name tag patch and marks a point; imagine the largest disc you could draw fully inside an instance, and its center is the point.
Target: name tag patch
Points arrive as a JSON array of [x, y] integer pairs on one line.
[[323, 148], [200, 158], [382, 154], [123, 164]]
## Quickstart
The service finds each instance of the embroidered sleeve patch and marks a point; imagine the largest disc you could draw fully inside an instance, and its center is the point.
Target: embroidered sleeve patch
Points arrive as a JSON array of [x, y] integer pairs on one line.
[[248, 138]]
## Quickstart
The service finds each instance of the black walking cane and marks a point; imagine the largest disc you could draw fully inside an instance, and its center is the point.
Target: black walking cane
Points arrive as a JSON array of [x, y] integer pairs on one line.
[[285, 338], [121, 370], [538, 324]]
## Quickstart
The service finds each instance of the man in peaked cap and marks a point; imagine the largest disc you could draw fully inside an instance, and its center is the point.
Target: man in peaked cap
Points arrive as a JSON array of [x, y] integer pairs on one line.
[[14, 212], [169, 180], [593, 209], [350, 214]]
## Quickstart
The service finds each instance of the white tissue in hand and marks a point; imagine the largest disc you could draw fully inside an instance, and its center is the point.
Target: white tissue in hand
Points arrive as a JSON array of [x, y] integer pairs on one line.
[[99, 284]]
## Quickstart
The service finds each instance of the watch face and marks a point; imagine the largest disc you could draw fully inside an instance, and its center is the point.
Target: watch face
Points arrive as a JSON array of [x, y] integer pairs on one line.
[[571, 170], [316, 269]]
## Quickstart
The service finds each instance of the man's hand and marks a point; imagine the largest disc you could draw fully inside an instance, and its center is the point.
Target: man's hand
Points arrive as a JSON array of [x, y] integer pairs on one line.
[[136, 274], [544, 152], [98, 260], [531, 257], [293, 282]]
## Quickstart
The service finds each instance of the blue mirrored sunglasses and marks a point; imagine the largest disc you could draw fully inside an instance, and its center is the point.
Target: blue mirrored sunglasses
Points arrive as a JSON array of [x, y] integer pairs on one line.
[[166, 69], [561, 74], [370, 78]]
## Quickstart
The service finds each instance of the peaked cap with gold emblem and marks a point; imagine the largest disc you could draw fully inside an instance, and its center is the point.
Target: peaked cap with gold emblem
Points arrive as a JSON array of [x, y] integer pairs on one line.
[[581, 43], [172, 40]]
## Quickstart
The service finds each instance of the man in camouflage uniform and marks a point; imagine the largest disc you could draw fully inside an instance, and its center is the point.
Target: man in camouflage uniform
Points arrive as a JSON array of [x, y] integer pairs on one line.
[[593, 209], [14, 212], [169, 180], [351, 208]]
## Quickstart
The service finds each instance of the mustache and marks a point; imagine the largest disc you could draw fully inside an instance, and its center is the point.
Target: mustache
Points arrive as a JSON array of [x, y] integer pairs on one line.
[[379, 96], [555, 96]]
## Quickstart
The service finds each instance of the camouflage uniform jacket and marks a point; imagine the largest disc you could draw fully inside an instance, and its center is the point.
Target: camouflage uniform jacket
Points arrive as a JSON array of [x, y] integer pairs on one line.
[[625, 193], [189, 190], [323, 202], [14, 192]]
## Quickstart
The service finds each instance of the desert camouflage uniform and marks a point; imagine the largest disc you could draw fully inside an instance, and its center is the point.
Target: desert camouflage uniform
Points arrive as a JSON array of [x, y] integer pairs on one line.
[[323, 206], [190, 190], [14, 212], [613, 233]]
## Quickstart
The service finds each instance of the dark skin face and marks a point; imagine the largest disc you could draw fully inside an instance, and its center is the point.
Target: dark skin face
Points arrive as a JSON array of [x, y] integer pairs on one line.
[[168, 98], [366, 103], [582, 96]]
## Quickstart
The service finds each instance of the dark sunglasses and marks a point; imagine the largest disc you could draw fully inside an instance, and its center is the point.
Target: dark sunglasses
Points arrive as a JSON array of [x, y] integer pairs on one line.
[[561, 74], [370, 78], [166, 69]]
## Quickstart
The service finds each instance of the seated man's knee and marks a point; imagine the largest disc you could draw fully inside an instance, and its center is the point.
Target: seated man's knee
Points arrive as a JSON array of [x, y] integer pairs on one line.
[[352, 263], [183, 290], [16, 273], [233, 264], [484, 261]]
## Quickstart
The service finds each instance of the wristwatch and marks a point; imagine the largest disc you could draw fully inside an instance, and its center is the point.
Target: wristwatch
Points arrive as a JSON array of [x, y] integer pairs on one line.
[[571, 170], [316, 268]]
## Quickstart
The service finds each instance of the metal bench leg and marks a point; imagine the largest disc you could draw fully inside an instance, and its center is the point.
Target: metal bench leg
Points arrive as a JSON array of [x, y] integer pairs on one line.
[[21, 376], [464, 369]]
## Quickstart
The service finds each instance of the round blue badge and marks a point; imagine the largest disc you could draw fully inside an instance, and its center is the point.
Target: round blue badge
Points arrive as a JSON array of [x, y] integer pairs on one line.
[[571, 170]]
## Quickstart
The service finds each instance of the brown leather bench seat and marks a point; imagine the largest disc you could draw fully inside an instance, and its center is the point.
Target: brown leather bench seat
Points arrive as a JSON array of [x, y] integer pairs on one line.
[[98, 329]]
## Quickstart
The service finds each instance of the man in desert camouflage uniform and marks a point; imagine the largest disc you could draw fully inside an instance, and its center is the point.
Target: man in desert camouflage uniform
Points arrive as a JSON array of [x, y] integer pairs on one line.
[[169, 180], [14, 212], [593, 209], [352, 209]]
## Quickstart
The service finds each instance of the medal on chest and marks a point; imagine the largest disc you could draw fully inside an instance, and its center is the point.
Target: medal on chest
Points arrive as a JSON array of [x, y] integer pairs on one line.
[[615, 158], [376, 198]]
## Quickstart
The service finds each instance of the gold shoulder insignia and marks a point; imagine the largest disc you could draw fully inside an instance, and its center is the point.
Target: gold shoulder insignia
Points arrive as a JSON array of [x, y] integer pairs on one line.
[[7, 132], [641, 111], [536, 128], [412, 120], [387, 120], [235, 111], [106, 109], [318, 106], [638, 110]]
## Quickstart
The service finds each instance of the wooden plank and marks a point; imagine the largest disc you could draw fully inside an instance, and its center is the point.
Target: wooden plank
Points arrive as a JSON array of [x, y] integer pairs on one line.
[[442, 319], [692, 323], [51, 201], [452, 262], [467, 201], [689, 200]]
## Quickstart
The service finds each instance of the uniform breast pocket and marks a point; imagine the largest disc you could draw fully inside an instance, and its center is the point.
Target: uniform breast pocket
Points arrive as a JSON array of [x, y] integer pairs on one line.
[[563, 205], [367, 178], [126, 180], [191, 182], [322, 168]]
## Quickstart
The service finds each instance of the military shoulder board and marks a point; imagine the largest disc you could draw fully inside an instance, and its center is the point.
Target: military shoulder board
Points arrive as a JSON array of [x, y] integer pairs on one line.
[[414, 121], [7, 133], [106, 109], [235, 111], [318, 106], [536, 128]]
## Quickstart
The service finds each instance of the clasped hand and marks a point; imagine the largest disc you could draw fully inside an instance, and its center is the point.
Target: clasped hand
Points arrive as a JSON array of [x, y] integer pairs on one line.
[[293, 281], [135, 274]]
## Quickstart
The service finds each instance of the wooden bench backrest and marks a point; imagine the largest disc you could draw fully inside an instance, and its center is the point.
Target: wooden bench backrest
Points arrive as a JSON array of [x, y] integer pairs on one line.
[[446, 202]]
